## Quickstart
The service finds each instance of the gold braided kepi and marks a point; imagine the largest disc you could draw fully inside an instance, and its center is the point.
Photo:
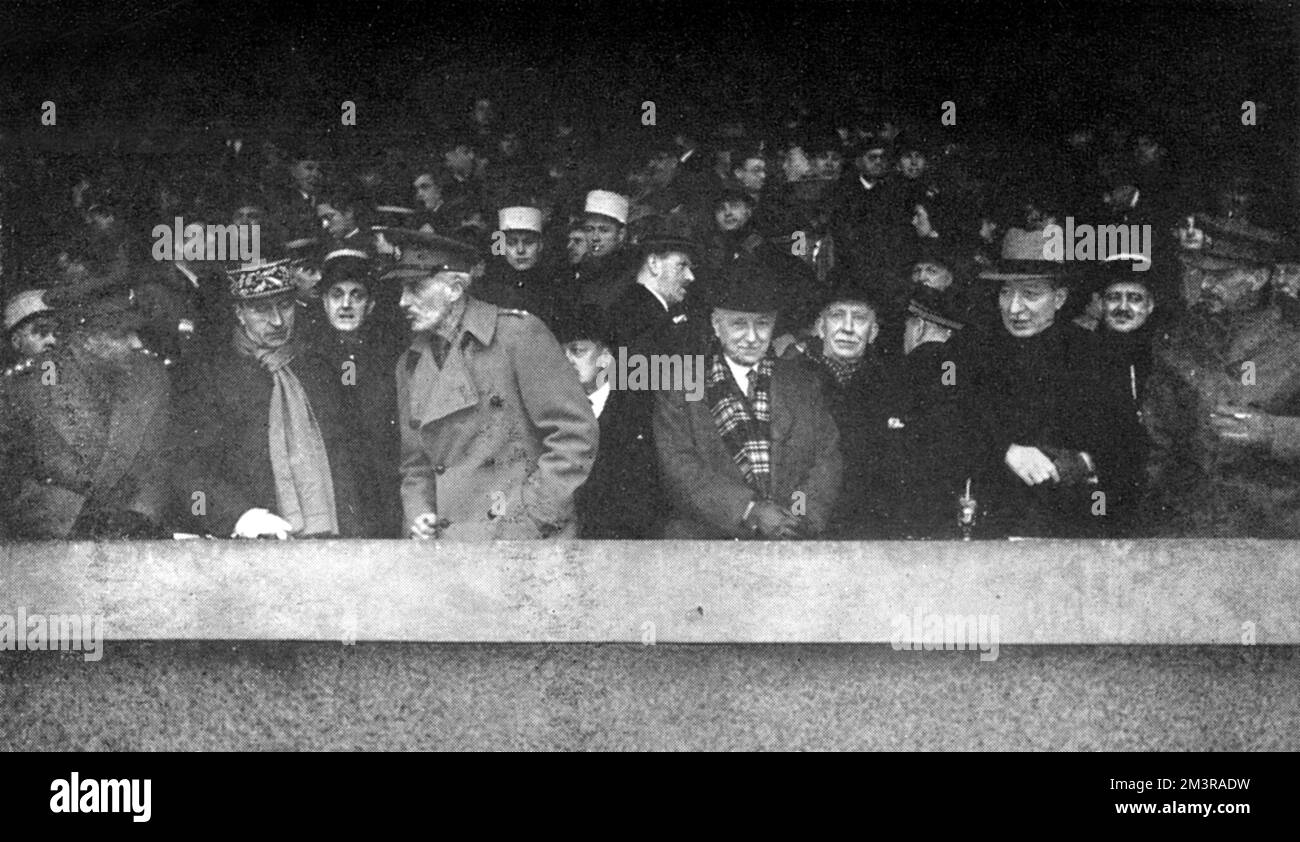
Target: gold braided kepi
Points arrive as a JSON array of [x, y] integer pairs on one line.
[[256, 281]]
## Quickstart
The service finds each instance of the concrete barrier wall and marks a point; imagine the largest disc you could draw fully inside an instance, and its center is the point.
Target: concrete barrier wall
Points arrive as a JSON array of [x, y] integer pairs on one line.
[[1057, 592], [224, 645]]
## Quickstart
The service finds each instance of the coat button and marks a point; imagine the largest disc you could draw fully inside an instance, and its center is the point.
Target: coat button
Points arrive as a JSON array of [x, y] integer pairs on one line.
[[439, 469], [496, 401]]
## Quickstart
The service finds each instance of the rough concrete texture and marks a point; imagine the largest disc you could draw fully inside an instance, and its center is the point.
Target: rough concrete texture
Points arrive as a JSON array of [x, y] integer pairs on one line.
[[1042, 592], [260, 696]]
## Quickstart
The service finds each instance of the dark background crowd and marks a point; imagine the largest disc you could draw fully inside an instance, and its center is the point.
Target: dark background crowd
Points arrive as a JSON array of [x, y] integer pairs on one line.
[[902, 158]]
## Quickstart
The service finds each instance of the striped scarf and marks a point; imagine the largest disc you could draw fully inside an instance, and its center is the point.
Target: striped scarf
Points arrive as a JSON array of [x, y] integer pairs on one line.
[[745, 425]]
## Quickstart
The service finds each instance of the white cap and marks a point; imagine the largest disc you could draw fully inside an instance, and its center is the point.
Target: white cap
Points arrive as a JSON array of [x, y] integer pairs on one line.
[[520, 219], [607, 204], [24, 304]]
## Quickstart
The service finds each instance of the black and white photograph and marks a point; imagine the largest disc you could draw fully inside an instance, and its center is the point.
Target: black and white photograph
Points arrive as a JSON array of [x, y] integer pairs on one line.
[[500, 376]]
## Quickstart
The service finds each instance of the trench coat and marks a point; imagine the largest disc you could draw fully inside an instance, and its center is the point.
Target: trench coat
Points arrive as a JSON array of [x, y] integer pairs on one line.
[[496, 441]]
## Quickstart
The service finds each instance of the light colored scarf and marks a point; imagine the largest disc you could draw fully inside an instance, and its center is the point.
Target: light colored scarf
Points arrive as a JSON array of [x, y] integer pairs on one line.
[[304, 486]]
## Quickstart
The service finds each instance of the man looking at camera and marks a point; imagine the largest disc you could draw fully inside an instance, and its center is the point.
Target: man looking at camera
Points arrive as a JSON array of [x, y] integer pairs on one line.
[[759, 456]]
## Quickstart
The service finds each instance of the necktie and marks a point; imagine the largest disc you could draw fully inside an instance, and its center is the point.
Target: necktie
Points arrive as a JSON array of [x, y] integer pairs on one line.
[[751, 377], [440, 348], [413, 360]]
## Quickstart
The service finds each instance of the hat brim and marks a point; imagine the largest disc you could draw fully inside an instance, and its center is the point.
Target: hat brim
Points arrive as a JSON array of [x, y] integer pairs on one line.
[[653, 245]]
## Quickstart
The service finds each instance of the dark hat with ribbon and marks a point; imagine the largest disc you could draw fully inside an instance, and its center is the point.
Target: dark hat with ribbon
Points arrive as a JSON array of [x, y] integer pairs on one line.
[[585, 323], [750, 285], [934, 250], [423, 253], [664, 233], [1008, 271], [846, 282], [939, 307]]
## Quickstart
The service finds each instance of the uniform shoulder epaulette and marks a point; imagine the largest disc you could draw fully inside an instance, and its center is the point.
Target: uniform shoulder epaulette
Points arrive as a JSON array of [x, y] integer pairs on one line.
[[509, 312]]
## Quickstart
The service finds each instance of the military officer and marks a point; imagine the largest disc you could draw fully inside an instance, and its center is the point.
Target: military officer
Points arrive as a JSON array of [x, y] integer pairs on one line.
[[81, 423], [29, 324], [1222, 404], [497, 434], [260, 439]]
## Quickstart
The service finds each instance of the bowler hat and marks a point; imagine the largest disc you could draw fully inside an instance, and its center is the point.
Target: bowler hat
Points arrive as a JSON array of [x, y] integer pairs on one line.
[[586, 323], [750, 285], [667, 232]]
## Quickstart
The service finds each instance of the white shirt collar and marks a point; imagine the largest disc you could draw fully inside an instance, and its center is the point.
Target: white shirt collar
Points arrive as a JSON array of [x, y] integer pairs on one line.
[[598, 398], [740, 373], [869, 185]]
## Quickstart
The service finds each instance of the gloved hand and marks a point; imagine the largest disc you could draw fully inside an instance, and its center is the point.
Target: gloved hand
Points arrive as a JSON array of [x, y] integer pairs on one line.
[[258, 523], [1031, 465], [769, 520], [1242, 426], [1072, 468], [425, 526]]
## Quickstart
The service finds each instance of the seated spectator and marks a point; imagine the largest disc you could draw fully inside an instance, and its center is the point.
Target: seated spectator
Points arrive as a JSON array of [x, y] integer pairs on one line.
[[259, 439], [759, 456], [81, 424]]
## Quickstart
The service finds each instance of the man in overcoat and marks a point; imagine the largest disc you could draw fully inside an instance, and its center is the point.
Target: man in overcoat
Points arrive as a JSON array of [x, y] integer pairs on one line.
[[497, 433], [259, 442], [759, 456], [81, 425]]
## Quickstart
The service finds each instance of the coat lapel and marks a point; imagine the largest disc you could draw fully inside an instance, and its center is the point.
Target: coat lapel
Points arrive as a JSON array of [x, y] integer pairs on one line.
[[438, 393]]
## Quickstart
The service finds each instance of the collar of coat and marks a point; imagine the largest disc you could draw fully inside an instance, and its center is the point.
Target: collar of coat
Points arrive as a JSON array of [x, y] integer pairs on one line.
[[478, 320]]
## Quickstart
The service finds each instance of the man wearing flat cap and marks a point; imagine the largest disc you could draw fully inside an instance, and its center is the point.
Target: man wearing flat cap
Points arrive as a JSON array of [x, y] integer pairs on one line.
[[759, 456], [1043, 409], [81, 423], [259, 438], [497, 433]]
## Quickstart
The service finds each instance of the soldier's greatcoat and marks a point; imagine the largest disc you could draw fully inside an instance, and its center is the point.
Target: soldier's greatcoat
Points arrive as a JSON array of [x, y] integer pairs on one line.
[[80, 456], [496, 440], [1198, 485]]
